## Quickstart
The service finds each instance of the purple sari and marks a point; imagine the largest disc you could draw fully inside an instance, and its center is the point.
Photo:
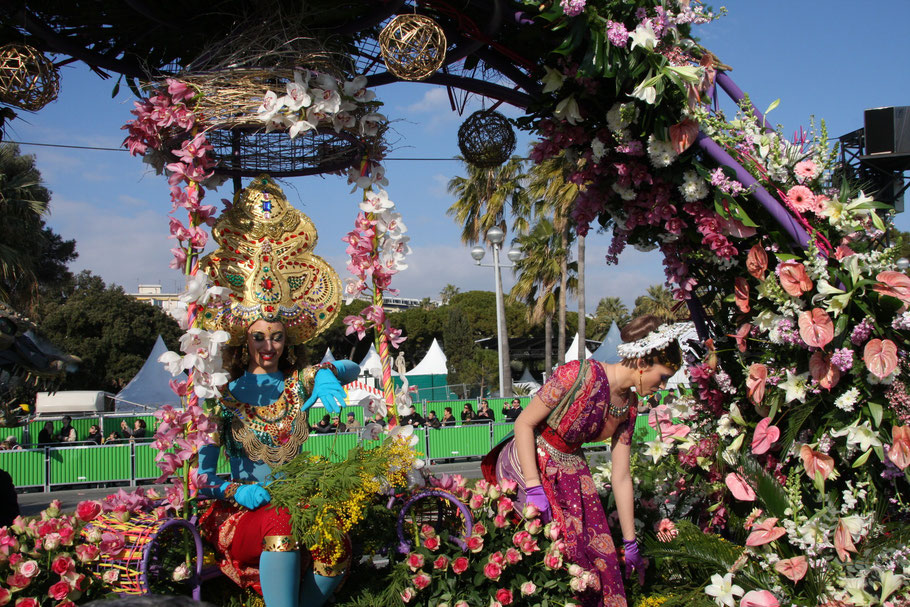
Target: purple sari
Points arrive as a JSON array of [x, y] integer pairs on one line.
[[567, 480]]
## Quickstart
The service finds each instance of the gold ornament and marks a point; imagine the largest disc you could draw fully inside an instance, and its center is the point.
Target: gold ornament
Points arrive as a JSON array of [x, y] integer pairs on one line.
[[28, 79], [265, 257], [413, 46]]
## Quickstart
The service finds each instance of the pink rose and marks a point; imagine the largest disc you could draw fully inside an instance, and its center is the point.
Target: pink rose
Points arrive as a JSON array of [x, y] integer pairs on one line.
[[112, 543], [422, 580], [534, 526], [508, 485], [476, 502], [519, 537], [431, 543], [528, 588], [15, 559], [530, 511], [497, 557], [552, 531], [415, 561], [110, 577], [86, 553], [88, 510], [479, 529], [407, 595], [494, 492], [504, 596], [475, 543], [18, 581], [504, 505], [552, 560], [500, 521], [58, 591], [52, 541], [441, 562], [461, 604], [513, 556], [492, 571], [27, 602], [529, 546], [53, 509], [460, 565], [62, 564], [29, 569], [122, 513], [5, 596]]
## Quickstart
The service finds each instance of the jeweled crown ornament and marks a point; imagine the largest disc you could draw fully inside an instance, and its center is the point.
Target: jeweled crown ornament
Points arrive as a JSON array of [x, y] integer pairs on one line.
[[265, 258]]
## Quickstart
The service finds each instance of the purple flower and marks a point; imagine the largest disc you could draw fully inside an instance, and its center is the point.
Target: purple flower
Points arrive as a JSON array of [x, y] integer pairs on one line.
[[842, 359], [572, 8], [617, 34], [861, 332]]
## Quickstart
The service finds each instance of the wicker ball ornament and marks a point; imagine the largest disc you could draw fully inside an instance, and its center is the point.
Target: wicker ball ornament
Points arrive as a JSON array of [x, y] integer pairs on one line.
[[28, 79], [413, 46], [486, 139]]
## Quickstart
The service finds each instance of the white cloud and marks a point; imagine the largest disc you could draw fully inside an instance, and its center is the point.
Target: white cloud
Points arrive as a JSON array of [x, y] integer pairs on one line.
[[434, 100]]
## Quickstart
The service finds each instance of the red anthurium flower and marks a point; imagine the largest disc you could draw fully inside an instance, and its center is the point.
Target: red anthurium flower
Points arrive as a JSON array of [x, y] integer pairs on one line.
[[740, 336], [816, 328], [793, 278], [741, 293], [843, 541], [757, 262], [880, 356], [739, 487], [895, 284]]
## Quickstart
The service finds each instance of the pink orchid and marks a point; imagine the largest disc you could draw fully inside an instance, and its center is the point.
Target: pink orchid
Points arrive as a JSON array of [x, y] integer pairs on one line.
[[168, 463], [355, 324], [194, 149], [758, 598], [816, 328], [179, 91], [741, 295], [395, 338], [757, 262], [826, 374], [755, 383], [793, 278], [178, 230], [816, 462], [893, 284], [178, 172], [794, 568], [765, 435], [198, 237], [179, 260], [739, 487], [765, 532], [899, 453], [179, 387], [880, 356]]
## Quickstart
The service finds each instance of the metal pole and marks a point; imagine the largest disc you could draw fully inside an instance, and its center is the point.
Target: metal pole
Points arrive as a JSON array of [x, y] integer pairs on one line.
[[500, 318]]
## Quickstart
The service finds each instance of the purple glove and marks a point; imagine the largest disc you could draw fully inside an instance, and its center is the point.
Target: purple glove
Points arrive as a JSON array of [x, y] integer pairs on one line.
[[536, 496], [634, 561]]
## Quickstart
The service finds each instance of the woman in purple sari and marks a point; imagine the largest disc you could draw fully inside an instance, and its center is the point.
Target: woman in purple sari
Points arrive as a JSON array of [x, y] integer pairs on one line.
[[546, 459]]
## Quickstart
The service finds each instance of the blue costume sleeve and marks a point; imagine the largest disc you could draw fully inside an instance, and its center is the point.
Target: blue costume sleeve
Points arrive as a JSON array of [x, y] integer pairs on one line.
[[208, 463], [348, 370]]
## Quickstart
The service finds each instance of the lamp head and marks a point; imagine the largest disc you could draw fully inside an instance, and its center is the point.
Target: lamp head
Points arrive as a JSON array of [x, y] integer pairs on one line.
[[495, 235], [514, 254], [477, 253], [903, 263]]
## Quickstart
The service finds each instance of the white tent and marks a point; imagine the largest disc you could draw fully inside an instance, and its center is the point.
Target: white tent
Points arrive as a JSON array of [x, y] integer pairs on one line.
[[527, 382], [430, 376], [606, 353], [433, 363], [371, 363], [572, 351], [329, 357]]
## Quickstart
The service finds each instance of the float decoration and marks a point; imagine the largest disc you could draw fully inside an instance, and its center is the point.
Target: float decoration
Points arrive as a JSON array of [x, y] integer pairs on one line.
[[413, 46], [486, 139], [28, 79]]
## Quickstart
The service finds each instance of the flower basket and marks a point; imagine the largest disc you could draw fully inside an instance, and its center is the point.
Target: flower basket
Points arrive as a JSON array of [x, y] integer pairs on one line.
[[28, 79], [145, 541]]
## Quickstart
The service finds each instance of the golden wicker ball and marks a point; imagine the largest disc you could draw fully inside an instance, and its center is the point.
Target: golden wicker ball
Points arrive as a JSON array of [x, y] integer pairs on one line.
[[486, 139], [28, 79], [413, 46]]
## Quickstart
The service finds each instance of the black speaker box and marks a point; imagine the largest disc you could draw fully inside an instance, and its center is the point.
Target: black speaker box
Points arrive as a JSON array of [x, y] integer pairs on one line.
[[887, 130]]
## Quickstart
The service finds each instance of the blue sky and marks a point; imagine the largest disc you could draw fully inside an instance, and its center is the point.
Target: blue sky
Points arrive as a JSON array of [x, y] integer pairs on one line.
[[829, 59]]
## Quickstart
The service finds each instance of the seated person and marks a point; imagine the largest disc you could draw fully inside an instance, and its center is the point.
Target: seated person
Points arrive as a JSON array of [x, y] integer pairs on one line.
[[47, 436], [433, 421], [94, 435], [512, 412], [467, 414], [352, 424], [137, 431], [413, 418], [12, 443], [67, 433], [485, 414], [337, 426], [448, 419], [324, 425], [379, 419]]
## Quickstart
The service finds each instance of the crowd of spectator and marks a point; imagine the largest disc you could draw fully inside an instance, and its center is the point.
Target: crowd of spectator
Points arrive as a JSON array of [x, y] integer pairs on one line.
[[67, 434]]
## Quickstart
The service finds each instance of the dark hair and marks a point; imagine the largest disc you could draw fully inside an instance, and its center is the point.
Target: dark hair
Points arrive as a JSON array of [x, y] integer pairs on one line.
[[468, 405], [67, 418], [639, 327], [141, 423], [233, 360], [449, 409], [350, 414]]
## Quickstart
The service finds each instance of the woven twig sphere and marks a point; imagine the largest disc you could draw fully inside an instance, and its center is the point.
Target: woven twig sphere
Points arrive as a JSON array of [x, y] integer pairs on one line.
[[28, 79], [413, 46], [486, 139]]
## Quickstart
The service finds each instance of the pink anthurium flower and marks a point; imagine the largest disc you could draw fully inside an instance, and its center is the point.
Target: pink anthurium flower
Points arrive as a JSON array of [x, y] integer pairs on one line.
[[899, 453], [843, 541], [816, 328], [765, 435], [815, 461], [755, 383], [880, 356], [757, 262], [758, 598], [793, 278], [739, 487], [826, 374], [895, 284], [794, 568], [741, 294], [683, 135], [765, 532], [741, 334]]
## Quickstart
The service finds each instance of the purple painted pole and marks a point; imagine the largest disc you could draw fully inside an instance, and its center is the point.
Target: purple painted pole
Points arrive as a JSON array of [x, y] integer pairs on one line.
[[737, 95], [771, 204]]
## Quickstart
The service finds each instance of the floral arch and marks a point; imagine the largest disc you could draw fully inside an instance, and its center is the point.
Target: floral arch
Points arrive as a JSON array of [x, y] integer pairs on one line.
[[794, 442]]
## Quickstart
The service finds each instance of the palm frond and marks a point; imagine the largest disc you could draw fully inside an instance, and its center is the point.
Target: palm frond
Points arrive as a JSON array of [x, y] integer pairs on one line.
[[772, 494], [692, 546]]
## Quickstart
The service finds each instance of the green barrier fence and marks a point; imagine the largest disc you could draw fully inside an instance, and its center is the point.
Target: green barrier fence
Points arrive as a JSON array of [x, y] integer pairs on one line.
[[314, 414], [20, 433], [96, 464], [460, 441], [27, 467]]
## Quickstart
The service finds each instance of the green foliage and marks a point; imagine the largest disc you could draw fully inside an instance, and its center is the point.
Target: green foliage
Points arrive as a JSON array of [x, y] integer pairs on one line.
[[111, 332], [609, 310], [659, 301]]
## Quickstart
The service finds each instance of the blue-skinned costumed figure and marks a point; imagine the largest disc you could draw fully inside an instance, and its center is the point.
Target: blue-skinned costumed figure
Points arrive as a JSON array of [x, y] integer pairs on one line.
[[281, 296]]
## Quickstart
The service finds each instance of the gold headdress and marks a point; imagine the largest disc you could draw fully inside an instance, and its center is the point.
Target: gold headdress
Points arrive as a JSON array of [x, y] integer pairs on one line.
[[265, 259]]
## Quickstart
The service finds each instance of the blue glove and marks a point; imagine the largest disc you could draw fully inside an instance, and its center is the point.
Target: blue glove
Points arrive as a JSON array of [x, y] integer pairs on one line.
[[326, 388], [250, 496]]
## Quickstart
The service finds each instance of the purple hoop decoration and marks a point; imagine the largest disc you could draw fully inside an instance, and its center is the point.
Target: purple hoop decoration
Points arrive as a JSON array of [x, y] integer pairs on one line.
[[404, 545], [146, 556]]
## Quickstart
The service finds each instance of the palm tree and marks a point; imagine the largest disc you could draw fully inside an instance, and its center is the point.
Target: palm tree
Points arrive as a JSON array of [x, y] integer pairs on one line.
[[610, 310], [23, 200], [554, 196], [538, 273], [448, 292], [483, 199], [659, 301]]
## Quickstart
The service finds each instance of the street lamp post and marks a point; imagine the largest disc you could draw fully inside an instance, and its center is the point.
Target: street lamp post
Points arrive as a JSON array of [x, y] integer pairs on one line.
[[495, 236]]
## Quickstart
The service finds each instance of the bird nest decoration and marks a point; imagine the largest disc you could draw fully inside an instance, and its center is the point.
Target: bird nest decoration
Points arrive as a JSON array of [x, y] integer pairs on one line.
[[486, 139], [243, 153], [28, 79], [413, 46]]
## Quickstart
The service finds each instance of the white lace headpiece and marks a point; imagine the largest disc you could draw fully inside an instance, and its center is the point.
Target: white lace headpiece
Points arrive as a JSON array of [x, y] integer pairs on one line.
[[655, 341]]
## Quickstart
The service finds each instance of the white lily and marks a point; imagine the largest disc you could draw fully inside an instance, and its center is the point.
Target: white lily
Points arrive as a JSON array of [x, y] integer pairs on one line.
[[690, 74], [552, 80], [856, 588], [723, 590], [643, 36], [890, 582], [796, 386], [645, 92], [656, 449], [859, 434], [567, 110]]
